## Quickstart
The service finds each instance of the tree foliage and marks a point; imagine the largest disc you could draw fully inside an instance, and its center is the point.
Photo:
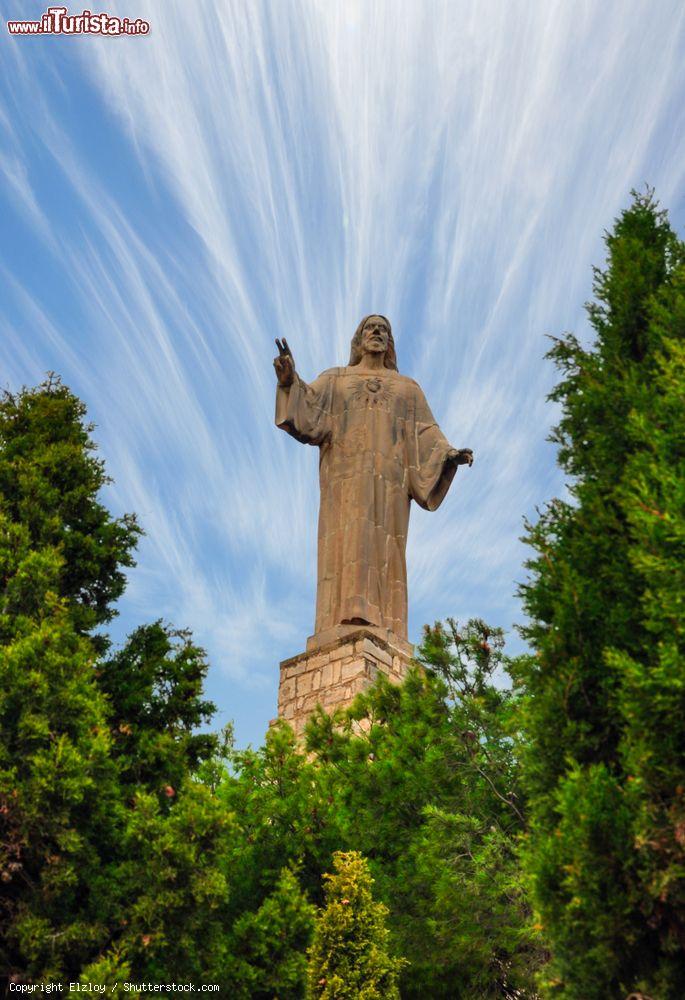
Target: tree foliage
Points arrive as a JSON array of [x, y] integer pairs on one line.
[[50, 479], [604, 686], [59, 796], [58, 789], [153, 686], [428, 790], [269, 945], [349, 957], [81, 741]]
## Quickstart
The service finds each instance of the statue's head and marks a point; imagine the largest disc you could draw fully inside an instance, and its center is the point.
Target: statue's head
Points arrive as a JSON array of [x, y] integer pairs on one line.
[[374, 335]]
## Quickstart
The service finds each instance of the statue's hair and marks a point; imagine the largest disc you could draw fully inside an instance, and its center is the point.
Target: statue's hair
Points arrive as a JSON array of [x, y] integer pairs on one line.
[[390, 359]]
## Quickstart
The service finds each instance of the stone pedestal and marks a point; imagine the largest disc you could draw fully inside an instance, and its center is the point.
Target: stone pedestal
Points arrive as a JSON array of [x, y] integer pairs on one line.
[[335, 667]]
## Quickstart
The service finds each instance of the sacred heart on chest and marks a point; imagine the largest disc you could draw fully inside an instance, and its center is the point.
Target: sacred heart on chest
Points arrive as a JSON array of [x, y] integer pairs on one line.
[[370, 391]]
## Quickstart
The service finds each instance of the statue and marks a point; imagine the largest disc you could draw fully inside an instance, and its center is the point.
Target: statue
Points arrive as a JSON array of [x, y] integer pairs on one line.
[[380, 448]]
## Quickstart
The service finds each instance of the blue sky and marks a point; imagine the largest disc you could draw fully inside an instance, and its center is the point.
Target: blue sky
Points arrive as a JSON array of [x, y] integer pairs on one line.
[[251, 170]]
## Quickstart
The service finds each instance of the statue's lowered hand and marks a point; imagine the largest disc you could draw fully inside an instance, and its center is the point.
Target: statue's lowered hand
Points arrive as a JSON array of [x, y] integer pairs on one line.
[[284, 364], [461, 456]]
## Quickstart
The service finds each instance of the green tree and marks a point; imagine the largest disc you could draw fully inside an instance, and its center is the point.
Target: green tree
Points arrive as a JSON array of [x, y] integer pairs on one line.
[[81, 739], [176, 887], [193, 909], [651, 696], [269, 945], [286, 814], [349, 956], [61, 808], [154, 690], [49, 483], [604, 685], [59, 804], [428, 789], [467, 853]]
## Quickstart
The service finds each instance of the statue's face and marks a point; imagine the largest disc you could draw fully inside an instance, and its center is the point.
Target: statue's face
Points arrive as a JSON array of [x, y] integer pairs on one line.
[[375, 336]]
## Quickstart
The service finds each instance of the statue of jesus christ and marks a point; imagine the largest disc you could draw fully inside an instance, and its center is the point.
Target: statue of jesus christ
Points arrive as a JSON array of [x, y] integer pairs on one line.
[[379, 449]]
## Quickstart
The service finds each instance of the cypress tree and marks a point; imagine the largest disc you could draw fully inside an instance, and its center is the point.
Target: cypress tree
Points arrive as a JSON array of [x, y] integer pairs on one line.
[[604, 685], [651, 696], [349, 956]]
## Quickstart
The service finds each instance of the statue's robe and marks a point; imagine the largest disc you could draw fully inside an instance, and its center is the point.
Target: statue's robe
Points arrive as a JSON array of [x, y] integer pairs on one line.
[[380, 448]]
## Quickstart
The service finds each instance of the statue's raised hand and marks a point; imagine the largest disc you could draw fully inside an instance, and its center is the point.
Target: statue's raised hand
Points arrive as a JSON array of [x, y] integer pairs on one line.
[[461, 456], [284, 364]]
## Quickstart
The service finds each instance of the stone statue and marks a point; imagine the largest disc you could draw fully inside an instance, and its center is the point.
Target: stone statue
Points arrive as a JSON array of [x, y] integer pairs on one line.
[[380, 448]]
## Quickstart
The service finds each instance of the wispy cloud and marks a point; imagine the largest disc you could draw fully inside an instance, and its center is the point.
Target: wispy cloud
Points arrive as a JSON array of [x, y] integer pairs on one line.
[[256, 170]]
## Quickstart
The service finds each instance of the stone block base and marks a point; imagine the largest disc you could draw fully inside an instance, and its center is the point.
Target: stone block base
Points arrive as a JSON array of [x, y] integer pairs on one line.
[[331, 674]]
